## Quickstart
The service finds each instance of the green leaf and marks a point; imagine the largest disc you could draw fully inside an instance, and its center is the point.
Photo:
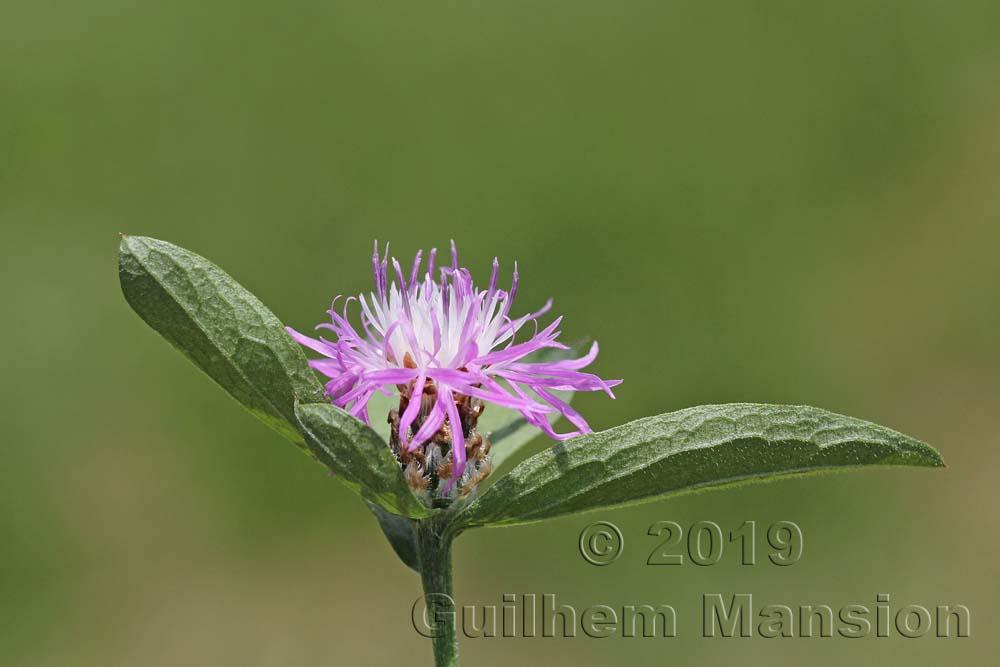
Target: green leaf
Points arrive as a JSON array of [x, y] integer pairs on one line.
[[221, 327], [358, 457], [706, 446], [508, 431], [401, 533], [379, 406]]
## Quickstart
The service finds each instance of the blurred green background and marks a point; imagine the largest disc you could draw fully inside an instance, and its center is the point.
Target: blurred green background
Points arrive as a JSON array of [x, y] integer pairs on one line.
[[743, 201]]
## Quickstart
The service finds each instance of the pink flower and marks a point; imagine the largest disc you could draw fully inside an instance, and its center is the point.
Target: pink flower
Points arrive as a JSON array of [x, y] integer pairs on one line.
[[449, 340]]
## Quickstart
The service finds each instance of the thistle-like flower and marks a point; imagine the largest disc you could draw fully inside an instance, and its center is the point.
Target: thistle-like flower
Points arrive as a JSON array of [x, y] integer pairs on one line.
[[447, 349]]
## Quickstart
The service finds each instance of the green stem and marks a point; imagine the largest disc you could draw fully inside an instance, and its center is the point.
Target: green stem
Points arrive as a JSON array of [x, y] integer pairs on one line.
[[434, 547]]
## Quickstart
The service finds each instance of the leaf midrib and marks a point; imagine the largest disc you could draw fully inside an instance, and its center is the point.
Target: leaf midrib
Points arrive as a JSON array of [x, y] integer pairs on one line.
[[809, 440]]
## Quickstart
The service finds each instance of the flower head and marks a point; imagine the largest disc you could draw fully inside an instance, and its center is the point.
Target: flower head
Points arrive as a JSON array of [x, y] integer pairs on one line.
[[455, 347]]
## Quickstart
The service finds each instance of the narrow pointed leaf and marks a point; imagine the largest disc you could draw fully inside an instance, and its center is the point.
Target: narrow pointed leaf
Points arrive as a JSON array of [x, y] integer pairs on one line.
[[508, 431], [221, 327], [358, 457], [379, 406], [706, 446], [401, 533]]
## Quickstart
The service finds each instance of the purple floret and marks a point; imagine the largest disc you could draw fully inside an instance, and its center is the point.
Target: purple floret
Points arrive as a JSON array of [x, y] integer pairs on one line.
[[446, 332]]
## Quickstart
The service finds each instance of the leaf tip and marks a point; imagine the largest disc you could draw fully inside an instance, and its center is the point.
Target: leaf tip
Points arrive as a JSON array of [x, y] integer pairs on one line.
[[126, 243], [937, 461], [929, 457]]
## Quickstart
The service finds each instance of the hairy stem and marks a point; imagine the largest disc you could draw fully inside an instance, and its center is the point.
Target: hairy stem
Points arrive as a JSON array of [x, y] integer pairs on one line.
[[434, 546]]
